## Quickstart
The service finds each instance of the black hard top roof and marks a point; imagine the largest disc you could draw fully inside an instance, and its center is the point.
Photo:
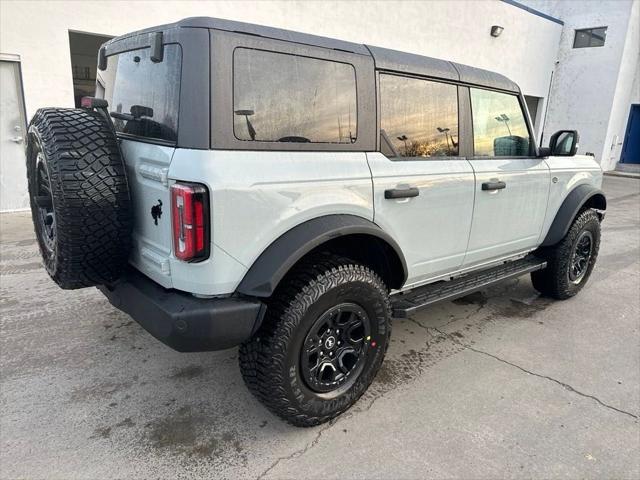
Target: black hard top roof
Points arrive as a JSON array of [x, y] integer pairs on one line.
[[385, 59]]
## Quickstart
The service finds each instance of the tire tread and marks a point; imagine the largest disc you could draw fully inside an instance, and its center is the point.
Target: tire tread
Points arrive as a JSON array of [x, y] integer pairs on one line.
[[262, 358], [90, 194], [553, 281]]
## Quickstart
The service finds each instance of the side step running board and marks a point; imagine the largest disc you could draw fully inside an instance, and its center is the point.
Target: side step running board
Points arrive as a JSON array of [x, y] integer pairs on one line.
[[405, 304]]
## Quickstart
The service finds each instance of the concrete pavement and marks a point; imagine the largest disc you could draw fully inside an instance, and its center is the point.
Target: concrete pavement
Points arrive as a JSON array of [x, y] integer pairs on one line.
[[502, 383]]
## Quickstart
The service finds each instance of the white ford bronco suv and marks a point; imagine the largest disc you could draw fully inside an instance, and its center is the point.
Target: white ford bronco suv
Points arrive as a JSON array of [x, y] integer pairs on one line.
[[233, 184]]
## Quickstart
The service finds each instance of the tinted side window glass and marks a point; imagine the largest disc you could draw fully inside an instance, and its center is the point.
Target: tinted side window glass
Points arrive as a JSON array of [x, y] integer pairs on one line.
[[499, 127], [419, 118], [287, 98], [143, 96]]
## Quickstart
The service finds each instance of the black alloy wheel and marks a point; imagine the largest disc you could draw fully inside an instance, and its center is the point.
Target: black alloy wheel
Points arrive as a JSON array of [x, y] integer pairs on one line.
[[43, 199], [335, 348], [581, 257]]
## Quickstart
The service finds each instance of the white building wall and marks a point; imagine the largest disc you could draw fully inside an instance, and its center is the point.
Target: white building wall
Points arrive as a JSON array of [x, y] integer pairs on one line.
[[592, 87], [458, 31], [624, 94], [635, 88], [38, 31]]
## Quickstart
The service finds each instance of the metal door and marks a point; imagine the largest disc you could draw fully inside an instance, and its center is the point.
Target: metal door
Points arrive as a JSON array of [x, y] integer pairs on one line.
[[512, 186], [431, 216], [422, 188], [510, 204], [631, 148], [13, 176]]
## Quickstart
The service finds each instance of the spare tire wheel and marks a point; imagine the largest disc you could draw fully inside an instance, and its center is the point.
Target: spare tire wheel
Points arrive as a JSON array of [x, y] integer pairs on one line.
[[79, 197]]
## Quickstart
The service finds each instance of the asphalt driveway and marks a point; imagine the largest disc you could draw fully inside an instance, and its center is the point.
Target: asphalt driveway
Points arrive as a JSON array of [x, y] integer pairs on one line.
[[502, 383]]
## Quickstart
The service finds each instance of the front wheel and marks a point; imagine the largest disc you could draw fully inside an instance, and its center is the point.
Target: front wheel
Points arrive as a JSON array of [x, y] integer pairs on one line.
[[571, 261], [322, 341]]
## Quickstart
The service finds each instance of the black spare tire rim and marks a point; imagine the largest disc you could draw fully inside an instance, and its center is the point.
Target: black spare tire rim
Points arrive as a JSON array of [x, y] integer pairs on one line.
[[581, 257], [334, 350], [43, 199]]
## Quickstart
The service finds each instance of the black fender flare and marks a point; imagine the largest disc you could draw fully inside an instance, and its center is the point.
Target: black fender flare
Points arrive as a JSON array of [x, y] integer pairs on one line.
[[575, 200], [277, 259]]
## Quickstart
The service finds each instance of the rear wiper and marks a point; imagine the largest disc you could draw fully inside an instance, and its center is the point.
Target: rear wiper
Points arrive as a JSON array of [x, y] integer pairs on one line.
[[294, 139]]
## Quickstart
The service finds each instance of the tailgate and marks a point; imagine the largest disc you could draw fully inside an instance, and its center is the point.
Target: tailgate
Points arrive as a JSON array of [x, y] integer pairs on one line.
[[147, 169]]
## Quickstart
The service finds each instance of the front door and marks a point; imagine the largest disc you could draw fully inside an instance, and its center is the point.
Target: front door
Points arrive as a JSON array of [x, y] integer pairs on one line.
[[511, 187], [13, 175], [423, 190], [631, 148]]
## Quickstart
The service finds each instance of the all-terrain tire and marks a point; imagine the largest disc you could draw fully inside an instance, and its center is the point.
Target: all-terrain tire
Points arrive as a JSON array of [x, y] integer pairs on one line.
[[271, 362], [79, 197], [555, 280]]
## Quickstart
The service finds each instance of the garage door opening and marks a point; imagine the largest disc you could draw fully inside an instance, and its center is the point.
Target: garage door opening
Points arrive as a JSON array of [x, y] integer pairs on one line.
[[84, 60]]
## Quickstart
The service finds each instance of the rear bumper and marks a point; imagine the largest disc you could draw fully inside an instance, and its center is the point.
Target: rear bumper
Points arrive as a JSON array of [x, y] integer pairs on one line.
[[181, 321]]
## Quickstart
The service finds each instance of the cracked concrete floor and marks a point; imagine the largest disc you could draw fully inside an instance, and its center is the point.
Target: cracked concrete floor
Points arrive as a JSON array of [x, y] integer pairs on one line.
[[502, 383]]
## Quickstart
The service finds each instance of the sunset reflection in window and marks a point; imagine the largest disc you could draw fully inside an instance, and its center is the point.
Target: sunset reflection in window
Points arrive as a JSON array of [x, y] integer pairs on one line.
[[418, 117], [288, 98]]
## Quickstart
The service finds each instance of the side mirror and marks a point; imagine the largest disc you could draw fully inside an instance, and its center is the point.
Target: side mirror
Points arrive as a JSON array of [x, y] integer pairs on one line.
[[564, 143]]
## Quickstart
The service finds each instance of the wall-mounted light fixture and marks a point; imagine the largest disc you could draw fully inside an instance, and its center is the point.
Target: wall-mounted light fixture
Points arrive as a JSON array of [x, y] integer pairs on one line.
[[496, 30]]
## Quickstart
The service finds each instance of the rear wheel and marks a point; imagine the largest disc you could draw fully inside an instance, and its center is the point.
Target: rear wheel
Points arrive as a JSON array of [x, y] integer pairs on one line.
[[322, 341], [571, 261]]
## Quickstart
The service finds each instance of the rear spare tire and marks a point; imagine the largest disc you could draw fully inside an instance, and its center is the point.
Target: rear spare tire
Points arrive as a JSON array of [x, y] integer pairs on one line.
[[79, 197]]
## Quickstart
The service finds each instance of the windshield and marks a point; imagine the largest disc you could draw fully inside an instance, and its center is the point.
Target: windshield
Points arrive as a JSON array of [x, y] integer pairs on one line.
[[143, 95]]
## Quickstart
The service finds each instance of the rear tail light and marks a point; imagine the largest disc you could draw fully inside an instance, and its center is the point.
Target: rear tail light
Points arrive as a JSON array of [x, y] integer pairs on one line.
[[190, 218]]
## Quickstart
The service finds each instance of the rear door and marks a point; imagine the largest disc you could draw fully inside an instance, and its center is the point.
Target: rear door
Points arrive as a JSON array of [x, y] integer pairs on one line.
[[512, 185], [143, 98], [423, 189]]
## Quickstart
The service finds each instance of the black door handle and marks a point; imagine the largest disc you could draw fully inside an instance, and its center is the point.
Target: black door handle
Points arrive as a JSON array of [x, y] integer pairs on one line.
[[493, 185], [401, 193]]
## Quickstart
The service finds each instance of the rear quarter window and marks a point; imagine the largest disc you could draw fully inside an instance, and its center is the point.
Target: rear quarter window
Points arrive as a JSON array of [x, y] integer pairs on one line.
[[281, 97], [143, 95]]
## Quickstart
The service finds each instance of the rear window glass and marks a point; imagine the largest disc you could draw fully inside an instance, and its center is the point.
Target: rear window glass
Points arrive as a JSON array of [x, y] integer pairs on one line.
[[143, 95], [287, 98]]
